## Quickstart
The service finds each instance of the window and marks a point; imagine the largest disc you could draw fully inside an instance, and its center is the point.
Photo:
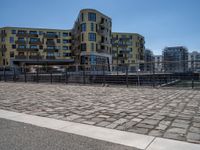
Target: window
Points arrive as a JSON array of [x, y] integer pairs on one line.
[[40, 33], [22, 46], [67, 54], [33, 32], [83, 47], [65, 41], [92, 36], [41, 47], [91, 16], [70, 33], [82, 16], [65, 34], [82, 37], [83, 27], [92, 46], [11, 54], [13, 31], [13, 46], [33, 47], [65, 47], [92, 27], [50, 47], [34, 39], [58, 40], [21, 39], [11, 39]]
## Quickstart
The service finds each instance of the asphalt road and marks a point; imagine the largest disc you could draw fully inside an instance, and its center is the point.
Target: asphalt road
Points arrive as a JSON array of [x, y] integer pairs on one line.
[[20, 136]]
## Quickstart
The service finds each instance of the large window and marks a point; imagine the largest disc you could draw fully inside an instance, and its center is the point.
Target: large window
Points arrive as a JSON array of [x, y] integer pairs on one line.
[[65, 34], [91, 16], [13, 31], [33, 47], [65, 48], [92, 26], [82, 16], [83, 47], [11, 39], [83, 27], [92, 36]]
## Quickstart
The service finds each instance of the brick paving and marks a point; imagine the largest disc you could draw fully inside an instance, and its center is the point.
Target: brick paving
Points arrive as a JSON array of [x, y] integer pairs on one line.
[[168, 113]]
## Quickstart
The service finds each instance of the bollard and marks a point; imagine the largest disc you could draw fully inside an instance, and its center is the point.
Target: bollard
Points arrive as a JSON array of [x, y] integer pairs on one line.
[[25, 80]]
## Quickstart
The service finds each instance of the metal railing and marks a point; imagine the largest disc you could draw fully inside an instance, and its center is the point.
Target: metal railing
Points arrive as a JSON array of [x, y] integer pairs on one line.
[[137, 74]]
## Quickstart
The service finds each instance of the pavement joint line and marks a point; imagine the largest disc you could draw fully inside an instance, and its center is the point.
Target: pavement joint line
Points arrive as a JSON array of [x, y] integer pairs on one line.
[[143, 142]]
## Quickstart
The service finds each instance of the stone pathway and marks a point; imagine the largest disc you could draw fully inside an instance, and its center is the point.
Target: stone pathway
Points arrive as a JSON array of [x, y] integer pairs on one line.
[[168, 113]]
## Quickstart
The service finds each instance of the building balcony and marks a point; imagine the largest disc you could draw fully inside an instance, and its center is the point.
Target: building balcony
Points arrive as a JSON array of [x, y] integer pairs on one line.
[[35, 57], [104, 43], [50, 57], [104, 24], [51, 50], [28, 49], [3, 49], [125, 38], [50, 43], [35, 42], [102, 32], [3, 34], [32, 35], [20, 42], [20, 57], [102, 51], [21, 34], [51, 36]]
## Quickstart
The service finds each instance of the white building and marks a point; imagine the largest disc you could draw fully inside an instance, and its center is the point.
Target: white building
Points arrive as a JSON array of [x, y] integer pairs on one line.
[[158, 63], [194, 61]]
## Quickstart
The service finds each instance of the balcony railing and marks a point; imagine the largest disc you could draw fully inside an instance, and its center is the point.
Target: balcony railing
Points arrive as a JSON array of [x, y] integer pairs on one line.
[[20, 42], [35, 42], [50, 57], [3, 49], [51, 50], [27, 49], [36, 57], [50, 43], [33, 35], [21, 49], [3, 34], [21, 34], [20, 57], [51, 36]]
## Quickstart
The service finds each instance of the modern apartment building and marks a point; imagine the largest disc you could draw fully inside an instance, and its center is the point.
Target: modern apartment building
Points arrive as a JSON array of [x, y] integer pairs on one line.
[[194, 61], [89, 42], [175, 59], [92, 38], [158, 60], [23, 46], [127, 48], [148, 61]]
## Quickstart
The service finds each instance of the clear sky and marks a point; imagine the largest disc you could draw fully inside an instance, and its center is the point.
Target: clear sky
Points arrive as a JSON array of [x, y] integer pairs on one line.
[[161, 22]]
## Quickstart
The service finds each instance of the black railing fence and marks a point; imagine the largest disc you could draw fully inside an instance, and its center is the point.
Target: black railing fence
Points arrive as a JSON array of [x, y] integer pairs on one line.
[[161, 74]]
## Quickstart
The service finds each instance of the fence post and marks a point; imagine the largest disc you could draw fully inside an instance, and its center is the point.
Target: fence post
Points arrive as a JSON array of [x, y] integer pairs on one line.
[[84, 74], [51, 76], [4, 73], [14, 75], [126, 75], [104, 78], [66, 76], [37, 74], [25, 80], [192, 80]]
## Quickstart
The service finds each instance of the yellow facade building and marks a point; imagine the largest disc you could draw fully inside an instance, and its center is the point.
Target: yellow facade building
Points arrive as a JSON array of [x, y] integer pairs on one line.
[[89, 42]]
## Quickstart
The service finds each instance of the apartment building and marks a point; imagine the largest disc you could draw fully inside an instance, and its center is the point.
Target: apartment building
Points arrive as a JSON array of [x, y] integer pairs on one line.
[[92, 38], [127, 48], [158, 60], [24, 46], [175, 59], [89, 42], [194, 61]]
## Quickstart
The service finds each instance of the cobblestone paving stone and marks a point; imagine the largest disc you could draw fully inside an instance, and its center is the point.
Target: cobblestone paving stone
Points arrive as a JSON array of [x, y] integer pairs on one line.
[[168, 113]]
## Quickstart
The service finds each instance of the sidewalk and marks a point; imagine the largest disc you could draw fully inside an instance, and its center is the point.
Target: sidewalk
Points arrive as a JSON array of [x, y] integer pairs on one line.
[[143, 142]]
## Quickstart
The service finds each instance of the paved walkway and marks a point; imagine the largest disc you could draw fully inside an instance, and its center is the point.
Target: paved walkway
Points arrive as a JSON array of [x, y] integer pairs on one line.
[[167, 113]]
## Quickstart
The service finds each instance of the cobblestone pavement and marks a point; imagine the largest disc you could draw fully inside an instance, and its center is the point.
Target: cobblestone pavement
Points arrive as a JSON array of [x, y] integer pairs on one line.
[[168, 113]]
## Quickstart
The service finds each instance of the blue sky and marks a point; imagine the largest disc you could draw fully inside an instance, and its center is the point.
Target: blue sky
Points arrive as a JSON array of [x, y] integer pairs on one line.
[[161, 22]]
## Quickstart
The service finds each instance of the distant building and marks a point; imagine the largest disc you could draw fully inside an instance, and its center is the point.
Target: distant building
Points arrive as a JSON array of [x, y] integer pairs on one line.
[[194, 61], [175, 59], [158, 60], [148, 60]]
